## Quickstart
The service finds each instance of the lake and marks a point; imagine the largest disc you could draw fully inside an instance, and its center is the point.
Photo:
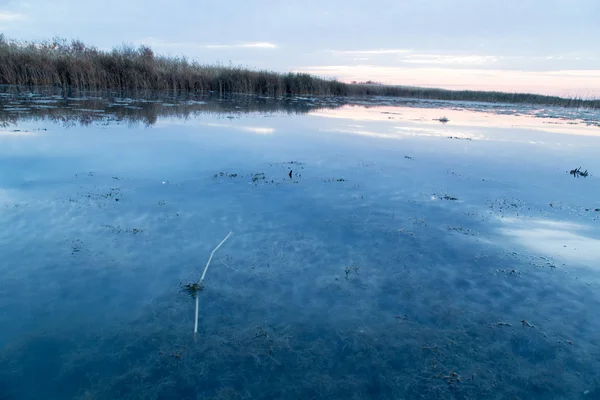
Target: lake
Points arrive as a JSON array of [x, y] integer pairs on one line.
[[380, 249]]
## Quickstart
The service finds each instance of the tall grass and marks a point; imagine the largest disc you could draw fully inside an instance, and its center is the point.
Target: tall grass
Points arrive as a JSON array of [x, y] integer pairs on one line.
[[75, 65]]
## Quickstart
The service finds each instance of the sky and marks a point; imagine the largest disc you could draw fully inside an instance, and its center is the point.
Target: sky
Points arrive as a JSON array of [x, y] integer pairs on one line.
[[541, 46]]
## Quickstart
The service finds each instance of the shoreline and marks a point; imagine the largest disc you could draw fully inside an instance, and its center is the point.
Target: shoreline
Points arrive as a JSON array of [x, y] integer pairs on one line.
[[79, 67]]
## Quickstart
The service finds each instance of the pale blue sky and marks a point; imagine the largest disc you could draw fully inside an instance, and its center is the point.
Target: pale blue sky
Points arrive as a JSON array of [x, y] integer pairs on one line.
[[548, 46]]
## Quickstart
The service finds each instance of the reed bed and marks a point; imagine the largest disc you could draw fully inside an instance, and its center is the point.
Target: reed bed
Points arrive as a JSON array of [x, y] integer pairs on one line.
[[73, 64]]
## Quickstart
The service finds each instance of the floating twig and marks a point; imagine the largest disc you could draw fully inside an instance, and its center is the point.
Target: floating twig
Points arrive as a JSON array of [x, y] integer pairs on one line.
[[525, 323], [194, 288]]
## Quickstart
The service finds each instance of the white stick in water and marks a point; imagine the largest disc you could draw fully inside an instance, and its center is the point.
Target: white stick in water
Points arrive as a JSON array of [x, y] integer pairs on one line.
[[203, 275]]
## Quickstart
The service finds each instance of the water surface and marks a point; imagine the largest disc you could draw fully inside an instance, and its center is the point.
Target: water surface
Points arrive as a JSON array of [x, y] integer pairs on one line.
[[403, 258]]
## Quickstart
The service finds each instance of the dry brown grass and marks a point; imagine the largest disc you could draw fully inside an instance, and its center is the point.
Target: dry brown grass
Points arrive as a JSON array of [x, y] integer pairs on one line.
[[73, 64]]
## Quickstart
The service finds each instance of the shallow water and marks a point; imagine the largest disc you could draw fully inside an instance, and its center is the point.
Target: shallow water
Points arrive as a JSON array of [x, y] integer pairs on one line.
[[404, 258]]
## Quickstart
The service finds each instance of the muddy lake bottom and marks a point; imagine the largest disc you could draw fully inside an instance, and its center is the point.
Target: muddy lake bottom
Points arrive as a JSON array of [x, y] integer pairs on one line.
[[376, 253]]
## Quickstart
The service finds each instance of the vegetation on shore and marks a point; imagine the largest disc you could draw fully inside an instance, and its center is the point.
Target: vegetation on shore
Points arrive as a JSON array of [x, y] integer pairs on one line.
[[76, 65]]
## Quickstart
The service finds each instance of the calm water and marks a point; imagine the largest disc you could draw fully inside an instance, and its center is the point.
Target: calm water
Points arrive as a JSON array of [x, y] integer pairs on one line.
[[405, 258]]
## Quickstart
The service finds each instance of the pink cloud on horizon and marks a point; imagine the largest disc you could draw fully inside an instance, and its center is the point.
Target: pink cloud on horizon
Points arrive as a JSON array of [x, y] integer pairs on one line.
[[583, 83]]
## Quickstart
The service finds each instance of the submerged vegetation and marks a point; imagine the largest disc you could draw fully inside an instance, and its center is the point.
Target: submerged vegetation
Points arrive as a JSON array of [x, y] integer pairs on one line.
[[578, 172], [75, 65], [321, 295]]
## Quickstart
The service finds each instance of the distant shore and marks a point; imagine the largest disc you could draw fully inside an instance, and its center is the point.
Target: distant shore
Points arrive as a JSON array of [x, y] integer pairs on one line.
[[61, 63]]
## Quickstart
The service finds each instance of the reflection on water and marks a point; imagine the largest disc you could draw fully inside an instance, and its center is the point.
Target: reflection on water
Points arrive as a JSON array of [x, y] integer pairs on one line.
[[565, 121], [88, 109], [568, 241], [252, 129], [456, 261]]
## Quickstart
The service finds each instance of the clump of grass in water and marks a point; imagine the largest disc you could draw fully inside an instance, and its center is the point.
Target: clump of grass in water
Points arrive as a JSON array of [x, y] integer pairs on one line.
[[258, 176], [349, 269], [192, 288], [195, 287], [447, 197], [577, 172]]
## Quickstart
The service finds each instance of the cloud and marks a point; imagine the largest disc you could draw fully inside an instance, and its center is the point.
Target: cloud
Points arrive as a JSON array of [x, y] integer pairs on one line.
[[159, 43], [371, 52], [259, 45], [584, 83], [262, 45], [448, 60], [581, 73], [6, 16]]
